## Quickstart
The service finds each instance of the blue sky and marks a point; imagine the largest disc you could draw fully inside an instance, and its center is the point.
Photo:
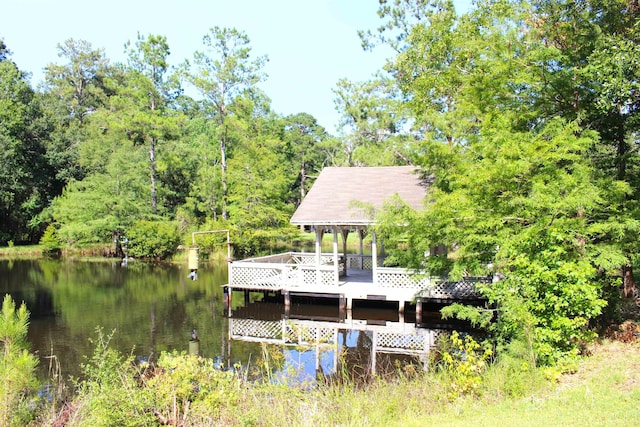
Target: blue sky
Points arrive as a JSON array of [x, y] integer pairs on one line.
[[311, 44]]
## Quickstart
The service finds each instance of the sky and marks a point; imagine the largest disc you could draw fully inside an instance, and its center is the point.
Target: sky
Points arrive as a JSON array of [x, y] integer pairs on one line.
[[311, 44]]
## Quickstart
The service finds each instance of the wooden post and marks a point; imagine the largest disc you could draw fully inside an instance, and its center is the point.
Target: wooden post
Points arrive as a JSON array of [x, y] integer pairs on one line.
[[345, 235], [287, 301], [374, 258], [246, 298], [360, 249], [227, 300], [336, 265], [319, 233], [374, 348]]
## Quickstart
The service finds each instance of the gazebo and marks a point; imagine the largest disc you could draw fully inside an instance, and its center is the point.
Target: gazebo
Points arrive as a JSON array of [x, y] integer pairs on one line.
[[341, 200], [346, 199]]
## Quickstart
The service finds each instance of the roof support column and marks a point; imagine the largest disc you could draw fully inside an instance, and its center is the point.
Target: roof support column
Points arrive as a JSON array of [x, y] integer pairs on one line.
[[345, 265], [319, 233], [374, 257], [336, 265], [360, 249]]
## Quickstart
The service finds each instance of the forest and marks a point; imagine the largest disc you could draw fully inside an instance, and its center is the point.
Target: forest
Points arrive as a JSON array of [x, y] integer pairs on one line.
[[525, 113]]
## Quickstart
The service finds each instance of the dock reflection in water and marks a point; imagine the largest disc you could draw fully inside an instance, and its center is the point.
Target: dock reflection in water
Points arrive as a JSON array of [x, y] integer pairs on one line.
[[319, 339]]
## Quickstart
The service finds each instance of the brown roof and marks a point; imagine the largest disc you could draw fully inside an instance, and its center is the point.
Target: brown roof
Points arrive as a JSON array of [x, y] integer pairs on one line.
[[337, 192]]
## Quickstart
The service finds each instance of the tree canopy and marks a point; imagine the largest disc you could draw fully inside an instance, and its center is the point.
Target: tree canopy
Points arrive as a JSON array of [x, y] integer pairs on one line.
[[525, 114]]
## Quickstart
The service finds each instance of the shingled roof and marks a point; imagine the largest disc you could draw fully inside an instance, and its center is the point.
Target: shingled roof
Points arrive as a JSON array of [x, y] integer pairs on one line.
[[338, 194]]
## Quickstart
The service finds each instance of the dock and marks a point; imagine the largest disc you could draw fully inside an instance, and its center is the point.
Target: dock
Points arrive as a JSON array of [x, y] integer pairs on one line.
[[347, 279], [343, 202]]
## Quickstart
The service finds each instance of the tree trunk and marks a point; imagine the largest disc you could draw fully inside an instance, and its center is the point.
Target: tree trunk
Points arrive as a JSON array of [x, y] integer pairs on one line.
[[628, 281], [152, 167], [223, 166]]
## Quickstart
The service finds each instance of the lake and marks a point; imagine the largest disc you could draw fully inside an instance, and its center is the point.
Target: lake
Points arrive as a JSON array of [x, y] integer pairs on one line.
[[150, 308]]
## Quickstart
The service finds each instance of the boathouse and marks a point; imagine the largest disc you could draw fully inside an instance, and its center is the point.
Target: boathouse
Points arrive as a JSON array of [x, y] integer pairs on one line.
[[343, 202]]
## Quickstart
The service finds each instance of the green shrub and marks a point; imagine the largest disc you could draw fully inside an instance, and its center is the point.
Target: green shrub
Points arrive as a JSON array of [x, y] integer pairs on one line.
[[191, 388], [153, 239], [464, 362], [109, 395], [50, 243], [17, 365]]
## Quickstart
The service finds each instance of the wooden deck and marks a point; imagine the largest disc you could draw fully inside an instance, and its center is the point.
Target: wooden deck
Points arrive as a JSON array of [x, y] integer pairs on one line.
[[353, 278]]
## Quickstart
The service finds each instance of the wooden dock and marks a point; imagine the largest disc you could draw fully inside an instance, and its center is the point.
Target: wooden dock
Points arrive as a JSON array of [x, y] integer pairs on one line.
[[346, 279]]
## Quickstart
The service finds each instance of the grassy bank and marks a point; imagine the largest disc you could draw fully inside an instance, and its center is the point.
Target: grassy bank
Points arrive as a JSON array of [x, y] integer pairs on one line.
[[603, 391], [189, 391]]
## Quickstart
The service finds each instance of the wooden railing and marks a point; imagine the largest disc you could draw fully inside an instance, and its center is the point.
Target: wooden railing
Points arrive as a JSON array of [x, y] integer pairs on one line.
[[294, 270]]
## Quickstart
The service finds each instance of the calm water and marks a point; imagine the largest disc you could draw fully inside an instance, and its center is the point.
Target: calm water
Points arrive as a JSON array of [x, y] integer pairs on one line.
[[153, 308]]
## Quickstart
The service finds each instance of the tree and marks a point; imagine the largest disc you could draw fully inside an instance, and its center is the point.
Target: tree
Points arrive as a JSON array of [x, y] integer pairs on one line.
[[142, 103], [25, 175], [73, 91], [112, 197], [302, 136], [376, 121], [80, 83], [4, 51], [546, 202], [17, 365], [222, 73]]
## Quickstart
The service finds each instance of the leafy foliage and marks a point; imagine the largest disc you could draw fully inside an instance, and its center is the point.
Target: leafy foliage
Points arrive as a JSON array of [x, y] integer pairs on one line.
[[464, 362], [17, 365], [153, 239]]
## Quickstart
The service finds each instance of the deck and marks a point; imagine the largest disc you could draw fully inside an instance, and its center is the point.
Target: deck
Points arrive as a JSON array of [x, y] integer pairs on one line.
[[349, 278]]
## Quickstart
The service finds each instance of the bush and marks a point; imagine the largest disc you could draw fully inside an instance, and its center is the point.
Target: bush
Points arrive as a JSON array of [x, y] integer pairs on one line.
[[50, 243], [17, 365], [109, 395], [153, 239]]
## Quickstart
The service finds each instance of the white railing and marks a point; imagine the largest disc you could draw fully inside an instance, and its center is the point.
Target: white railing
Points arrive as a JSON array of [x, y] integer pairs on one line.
[[294, 270], [254, 275], [388, 277]]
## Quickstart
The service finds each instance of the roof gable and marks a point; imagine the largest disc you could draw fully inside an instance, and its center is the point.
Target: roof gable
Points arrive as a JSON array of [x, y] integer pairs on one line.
[[339, 193]]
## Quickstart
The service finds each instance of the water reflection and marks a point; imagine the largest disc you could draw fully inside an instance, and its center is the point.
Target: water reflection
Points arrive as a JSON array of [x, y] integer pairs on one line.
[[155, 308], [320, 340], [151, 308]]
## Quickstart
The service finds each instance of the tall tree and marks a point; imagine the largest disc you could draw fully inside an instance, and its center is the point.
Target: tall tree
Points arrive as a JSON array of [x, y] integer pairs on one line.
[[376, 123], [143, 101], [224, 71], [547, 202], [80, 83], [25, 175], [303, 136], [72, 92]]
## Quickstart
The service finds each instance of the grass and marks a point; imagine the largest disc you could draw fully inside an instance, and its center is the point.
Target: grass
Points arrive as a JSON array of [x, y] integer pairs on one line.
[[602, 391]]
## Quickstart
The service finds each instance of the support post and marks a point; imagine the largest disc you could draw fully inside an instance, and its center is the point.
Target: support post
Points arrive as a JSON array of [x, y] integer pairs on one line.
[[319, 233], [336, 264], [246, 298], [374, 257], [345, 235], [227, 300], [360, 249], [287, 302]]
